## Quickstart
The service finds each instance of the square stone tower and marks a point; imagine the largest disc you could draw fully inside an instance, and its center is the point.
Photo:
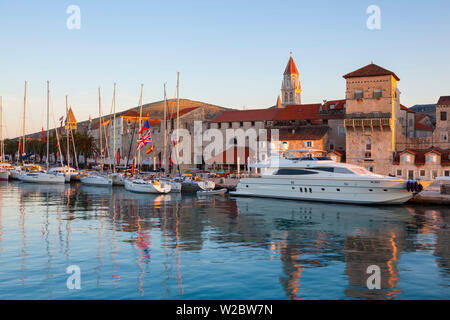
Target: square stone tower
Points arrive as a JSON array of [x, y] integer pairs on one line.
[[372, 108]]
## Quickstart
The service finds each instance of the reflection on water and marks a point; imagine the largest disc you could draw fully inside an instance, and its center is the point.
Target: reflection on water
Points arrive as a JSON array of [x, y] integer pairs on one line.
[[137, 246]]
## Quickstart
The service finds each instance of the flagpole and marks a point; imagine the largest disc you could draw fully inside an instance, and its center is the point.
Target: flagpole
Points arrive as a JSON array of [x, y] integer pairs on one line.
[[164, 127], [101, 136], [24, 118], [48, 119], [67, 133], [140, 124], [178, 116]]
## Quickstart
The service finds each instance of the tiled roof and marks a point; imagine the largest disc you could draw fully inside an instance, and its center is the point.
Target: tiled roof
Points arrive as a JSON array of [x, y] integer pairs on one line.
[[291, 68], [371, 70], [247, 115], [406, 109], [338, 104], [444, 100], [299, 112], [420, 126], [419, 155], [303, 133]]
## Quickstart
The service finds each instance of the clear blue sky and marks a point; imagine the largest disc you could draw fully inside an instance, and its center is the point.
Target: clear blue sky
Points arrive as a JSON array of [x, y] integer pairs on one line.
[[229, 53]]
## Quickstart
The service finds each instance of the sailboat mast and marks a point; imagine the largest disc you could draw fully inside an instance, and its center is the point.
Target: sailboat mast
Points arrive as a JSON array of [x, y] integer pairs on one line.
[[164, 127], [24, 118], [100, 114], [67, 133], [48, 119], [114, 129], [140, 125], [178, 116]]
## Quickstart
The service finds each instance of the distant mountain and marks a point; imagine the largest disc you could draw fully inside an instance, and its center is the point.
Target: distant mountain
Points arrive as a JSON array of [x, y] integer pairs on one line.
[[429, 109], [155, 110]]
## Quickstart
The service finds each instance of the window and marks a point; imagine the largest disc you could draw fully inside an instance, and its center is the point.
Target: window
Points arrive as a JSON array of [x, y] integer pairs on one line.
[[446, 173], [241, 124], [399, 172], [253, 123], [377, 93], [332, 106], [434, 174], [444, 136], [368, 144], [411, 174], [291, 97], [308, 144], [443, 115], [359, 94], [288, 172], [341, 130], [422, 173], [331, 146], [431, 158], [406, 158]]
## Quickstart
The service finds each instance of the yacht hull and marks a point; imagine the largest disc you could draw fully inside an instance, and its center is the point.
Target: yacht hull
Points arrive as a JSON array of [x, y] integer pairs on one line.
[[43, 178], [146, 187], [97, 181], [370, 191]]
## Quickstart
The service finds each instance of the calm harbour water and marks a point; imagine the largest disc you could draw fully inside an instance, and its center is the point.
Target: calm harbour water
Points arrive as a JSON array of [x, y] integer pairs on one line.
[[132, 246]]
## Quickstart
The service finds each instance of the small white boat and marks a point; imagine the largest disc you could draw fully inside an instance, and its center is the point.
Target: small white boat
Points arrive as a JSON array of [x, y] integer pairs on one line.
[[5, 169], [68, 172], [212, 192], [174, 184], [147, 186], [42, 178], [17, 171], [97, 180]]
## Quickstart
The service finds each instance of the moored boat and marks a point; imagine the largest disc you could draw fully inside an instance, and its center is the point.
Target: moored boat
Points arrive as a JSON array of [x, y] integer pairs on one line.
[[147, 186], [317, 178]]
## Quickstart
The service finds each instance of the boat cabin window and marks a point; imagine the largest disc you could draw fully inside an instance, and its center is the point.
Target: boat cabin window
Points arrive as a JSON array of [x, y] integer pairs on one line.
[[287, 172], [335, 170]]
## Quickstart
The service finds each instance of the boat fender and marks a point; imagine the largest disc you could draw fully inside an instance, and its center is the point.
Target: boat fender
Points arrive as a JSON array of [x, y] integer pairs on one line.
[[408, 186], [419, 187], [414, 186]]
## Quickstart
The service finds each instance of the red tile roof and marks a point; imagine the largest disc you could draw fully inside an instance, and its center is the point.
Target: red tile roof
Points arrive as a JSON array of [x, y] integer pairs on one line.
[[406, 109], [419, 155], [420, 126], [303, 133], [371, 70], [338, 104], [299, 112], [291, 68], [247, 115], [444, 100]]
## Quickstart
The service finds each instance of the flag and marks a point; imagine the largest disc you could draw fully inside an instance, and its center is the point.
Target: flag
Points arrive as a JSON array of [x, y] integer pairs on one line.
[[43, 134], [150, 150], [118, 156], [146, 126], [61, 119], [144, 140], [90, 118]]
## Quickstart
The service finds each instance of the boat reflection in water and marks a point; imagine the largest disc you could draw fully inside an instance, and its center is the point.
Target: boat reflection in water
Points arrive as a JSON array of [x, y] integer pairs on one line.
[[173, 246]]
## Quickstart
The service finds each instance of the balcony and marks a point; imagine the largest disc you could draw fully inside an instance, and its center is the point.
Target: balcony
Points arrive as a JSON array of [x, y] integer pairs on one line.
[[372, 121]]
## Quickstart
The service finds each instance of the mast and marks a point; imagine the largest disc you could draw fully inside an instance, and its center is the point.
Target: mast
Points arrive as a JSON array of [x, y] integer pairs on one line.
[[101, 136], [164, 127], [178, 118], [140, 125], [24, 119], [114, 129], [48, 119], [67, 133]]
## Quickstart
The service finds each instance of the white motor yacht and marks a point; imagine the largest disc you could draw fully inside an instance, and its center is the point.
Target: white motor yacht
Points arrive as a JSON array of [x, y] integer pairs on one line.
[[147, 186], [317, 178]]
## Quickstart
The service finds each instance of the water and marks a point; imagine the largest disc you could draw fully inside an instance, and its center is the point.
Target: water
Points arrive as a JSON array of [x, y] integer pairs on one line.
[[132, 246]]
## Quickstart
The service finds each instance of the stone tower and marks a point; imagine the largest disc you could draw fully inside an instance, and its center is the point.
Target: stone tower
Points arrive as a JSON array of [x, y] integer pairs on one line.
[[372, 109], [290, 88]]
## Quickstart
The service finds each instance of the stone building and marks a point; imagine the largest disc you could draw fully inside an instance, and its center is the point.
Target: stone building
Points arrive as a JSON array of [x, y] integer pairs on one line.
[[290, 88], [372, 118]]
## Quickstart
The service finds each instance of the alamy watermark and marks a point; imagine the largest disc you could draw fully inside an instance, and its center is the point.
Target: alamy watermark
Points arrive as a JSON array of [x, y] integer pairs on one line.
[[73, 22], [374, 20], [374, 280], [74, 280]]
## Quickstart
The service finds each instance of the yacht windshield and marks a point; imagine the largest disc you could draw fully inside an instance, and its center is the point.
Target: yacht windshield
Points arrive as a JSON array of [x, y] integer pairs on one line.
[[362, 171]]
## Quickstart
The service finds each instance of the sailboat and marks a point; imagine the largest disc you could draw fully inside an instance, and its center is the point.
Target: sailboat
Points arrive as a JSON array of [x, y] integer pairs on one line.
[[39, 176], [94, 178]]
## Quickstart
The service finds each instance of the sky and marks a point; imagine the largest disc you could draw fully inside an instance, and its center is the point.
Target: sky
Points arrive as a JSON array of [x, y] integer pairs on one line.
[[229, 53]]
